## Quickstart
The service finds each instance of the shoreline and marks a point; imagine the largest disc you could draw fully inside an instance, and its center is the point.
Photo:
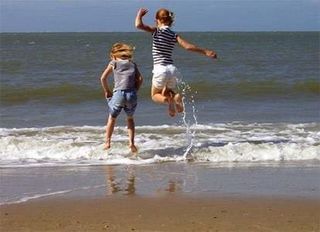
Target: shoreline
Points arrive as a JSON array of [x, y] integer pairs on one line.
[[167, 213], [156, 180]]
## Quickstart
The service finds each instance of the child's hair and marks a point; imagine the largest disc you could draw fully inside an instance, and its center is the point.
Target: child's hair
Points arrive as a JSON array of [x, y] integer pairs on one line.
[[122, 51], [165, 16]]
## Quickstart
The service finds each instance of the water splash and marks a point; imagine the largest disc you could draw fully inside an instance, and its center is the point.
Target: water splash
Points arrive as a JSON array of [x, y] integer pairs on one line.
[[189, 119]]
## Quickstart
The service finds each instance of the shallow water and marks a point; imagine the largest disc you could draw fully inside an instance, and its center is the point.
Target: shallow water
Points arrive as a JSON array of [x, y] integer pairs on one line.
[[288, 180]]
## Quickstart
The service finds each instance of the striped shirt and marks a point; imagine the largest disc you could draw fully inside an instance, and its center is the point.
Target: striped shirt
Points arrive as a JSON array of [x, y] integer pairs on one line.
[[163, 43]]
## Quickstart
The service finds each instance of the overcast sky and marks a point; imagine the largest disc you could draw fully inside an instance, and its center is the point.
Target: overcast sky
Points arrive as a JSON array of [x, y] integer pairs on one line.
[[191, 15]]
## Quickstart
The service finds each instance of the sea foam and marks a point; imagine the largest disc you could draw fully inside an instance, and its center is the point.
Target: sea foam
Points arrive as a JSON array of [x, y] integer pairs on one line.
[[230, 142]]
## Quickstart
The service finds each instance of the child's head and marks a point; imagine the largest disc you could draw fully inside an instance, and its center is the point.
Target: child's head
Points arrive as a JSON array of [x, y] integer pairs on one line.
[[165, 17], [121, 51]]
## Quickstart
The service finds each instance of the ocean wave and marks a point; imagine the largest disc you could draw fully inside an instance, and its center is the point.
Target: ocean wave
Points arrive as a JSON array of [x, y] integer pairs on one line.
[[67, 93], [258, 88], [77, 93], [230, 142]]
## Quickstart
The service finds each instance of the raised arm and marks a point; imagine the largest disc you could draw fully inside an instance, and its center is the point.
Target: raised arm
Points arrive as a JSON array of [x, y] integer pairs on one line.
[[139, 23], [104, 81], [191, 47]]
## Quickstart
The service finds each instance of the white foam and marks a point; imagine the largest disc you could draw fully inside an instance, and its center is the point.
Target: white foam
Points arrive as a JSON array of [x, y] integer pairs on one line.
[[231, 142], [36, 196], [47, 194]]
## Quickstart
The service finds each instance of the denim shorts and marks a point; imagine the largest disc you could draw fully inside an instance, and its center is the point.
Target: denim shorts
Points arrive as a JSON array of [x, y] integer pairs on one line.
[[123, 99]]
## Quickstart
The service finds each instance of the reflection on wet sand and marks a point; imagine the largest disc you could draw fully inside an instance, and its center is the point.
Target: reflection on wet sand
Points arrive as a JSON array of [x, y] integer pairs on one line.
[[173, 186], [117, 183], [114, 184]]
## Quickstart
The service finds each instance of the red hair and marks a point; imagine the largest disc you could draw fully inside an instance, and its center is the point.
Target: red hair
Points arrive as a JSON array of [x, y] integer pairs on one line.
[[165, 16]]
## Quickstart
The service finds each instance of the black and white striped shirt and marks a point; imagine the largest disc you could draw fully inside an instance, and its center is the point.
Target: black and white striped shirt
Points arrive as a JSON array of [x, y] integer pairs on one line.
[[163, 43]]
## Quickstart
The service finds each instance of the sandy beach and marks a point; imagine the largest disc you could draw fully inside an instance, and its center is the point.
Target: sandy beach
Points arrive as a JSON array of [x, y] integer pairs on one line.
[[166, 197], [171, 213]]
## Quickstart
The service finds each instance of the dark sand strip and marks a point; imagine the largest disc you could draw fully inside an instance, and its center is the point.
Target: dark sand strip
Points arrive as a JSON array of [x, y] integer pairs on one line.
[[173, 213]]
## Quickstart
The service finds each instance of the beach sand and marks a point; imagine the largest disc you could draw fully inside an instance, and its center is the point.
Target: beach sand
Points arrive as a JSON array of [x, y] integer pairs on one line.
[[160, 197], [166, 213]]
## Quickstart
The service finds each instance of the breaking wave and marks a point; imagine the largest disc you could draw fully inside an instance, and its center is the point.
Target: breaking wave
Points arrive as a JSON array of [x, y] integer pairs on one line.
[[216, 143]]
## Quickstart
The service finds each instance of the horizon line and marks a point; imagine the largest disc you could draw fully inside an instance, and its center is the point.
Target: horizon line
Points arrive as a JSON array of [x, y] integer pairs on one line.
[[191, 31]]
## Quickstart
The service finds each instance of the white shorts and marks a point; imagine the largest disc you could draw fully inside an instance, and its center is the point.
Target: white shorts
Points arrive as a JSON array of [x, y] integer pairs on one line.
[[165, 76]]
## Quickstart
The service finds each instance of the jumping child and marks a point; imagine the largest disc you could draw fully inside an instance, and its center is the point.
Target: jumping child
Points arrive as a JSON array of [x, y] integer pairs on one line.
[[127, 81], [165, 74]]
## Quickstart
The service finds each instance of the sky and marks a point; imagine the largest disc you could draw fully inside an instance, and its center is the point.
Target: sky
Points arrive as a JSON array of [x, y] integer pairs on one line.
[[191, 15]]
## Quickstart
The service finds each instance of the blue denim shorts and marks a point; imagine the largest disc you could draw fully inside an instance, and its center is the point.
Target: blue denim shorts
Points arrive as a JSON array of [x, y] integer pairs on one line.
[[123, 99]]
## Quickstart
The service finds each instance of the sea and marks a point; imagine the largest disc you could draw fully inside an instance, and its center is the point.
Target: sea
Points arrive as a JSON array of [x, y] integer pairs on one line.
[[259, 101], [256, 105]]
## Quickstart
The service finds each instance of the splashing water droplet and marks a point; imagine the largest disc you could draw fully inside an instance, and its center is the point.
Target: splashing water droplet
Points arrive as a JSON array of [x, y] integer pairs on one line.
[[189, 117]]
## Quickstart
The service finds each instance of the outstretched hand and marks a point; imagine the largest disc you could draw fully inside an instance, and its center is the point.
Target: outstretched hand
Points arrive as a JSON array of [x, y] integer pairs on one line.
[[142, 12]]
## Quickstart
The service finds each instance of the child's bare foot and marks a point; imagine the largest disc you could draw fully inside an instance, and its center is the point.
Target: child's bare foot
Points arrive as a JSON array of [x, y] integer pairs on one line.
[[178, 103], [107, 145], [133, 148]]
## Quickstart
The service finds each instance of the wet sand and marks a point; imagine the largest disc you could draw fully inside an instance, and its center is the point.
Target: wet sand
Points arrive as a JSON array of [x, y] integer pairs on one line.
[[166, 197], [168, 213]]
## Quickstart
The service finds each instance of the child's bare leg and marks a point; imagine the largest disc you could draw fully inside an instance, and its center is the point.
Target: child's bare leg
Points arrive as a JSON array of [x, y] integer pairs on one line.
[[162, 96], [109, 131], [157, 96], [172, 110], [178, 101], [131, 133], [170, 94], [176, 98]]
